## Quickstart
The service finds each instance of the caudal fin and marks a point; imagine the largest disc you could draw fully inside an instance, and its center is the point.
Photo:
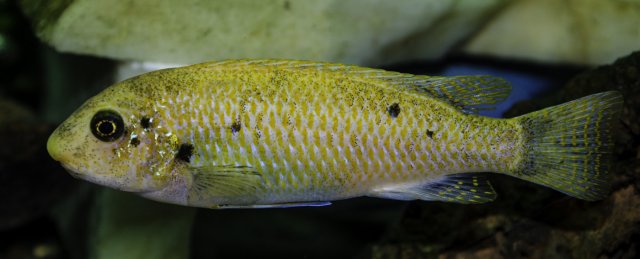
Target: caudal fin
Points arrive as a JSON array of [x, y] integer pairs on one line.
[[568, 146]]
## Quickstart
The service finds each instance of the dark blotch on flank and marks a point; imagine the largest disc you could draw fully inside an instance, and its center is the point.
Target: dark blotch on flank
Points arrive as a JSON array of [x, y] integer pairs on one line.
[[135, 142], [184, 152], [236, 127], [429, 134], [394, 110], [145, 122]]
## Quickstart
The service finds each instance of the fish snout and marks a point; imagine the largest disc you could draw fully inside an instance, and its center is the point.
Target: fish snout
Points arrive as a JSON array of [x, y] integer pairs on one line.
[[54, 148]]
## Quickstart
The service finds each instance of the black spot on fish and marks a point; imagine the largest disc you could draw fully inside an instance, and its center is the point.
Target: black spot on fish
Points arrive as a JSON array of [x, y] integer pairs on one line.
[[430, 134], [236, 127], [134, 141], [356, 141], [287, 5], [185, 152], [145, 122], [244, 106], [394, 110]]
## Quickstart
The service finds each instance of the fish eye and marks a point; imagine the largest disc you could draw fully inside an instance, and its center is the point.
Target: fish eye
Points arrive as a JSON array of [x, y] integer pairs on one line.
[[107, 125]]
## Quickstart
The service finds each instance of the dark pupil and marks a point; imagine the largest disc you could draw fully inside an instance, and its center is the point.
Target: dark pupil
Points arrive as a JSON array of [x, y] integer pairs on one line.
[[107, 125]]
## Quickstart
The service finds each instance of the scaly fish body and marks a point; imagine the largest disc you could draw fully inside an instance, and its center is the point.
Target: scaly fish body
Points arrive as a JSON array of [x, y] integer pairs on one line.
[[273, 133]]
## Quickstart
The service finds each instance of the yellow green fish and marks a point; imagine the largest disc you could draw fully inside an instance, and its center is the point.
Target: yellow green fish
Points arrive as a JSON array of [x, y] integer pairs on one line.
[[279, 133]]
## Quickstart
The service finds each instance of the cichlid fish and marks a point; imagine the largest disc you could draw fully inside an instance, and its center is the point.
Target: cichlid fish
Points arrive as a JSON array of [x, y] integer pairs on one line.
[[269, 133]]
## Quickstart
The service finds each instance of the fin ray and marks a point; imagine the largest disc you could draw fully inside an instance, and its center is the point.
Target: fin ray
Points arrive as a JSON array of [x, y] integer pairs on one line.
[[469, 93], [568, 146], [459, 188], [276, 205], [223, 181]]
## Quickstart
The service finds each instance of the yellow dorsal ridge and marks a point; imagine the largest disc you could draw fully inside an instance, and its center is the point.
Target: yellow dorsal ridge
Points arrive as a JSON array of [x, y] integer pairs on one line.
[[468, 93]]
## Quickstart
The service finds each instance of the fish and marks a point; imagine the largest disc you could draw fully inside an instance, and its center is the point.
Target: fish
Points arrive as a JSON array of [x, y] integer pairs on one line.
[[288, 133]]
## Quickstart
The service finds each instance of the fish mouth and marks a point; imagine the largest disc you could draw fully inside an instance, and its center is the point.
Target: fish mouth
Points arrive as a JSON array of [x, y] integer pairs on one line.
[[79, 172], [72, 170], [76, 172]]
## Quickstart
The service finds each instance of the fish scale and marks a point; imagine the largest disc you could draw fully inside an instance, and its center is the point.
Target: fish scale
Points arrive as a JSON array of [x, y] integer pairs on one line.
[[265, 133], [329, 107]]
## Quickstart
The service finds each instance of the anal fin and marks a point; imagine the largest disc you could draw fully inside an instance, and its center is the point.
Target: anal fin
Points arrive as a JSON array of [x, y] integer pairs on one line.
[[458, 188]]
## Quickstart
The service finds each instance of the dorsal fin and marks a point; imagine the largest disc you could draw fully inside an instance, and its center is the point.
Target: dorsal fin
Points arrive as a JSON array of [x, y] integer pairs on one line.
[[468, 93]]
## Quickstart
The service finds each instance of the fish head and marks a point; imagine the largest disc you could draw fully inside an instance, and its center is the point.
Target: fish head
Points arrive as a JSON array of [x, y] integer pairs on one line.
[[112, 140]]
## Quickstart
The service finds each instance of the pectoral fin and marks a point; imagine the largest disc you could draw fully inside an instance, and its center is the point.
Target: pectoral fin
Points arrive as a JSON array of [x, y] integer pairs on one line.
[[223, 182], [460, 188], [277, 205]]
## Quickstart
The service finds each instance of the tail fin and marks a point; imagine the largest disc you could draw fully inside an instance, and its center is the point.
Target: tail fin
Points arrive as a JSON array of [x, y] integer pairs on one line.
[[568, 146]]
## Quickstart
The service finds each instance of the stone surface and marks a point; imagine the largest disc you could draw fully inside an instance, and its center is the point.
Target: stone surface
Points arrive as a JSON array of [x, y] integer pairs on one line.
[[352, 31], [577, 31], [360, 32]]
